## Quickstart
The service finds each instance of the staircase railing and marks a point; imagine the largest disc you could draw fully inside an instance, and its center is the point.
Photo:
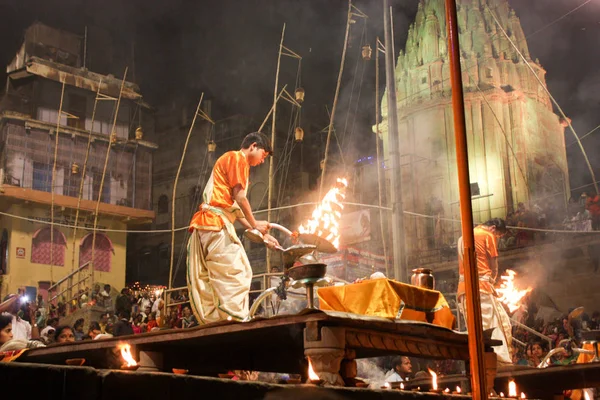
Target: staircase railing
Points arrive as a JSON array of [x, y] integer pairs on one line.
[[533, 332], [75, 278]]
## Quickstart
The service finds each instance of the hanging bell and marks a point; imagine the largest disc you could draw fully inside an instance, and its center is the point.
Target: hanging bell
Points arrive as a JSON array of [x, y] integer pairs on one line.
[[299, 134], [299, 94], [367, 52], [212, 146], [139, 133], [74, 168]]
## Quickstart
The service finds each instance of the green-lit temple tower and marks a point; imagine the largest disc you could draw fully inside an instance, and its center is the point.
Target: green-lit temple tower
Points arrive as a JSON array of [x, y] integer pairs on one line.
[[516, 142]]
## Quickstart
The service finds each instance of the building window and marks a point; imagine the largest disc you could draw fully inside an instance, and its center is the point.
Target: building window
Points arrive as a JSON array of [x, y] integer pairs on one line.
[[41, 246], [103, 251], [163, 204], [424, 80], [42, 177]]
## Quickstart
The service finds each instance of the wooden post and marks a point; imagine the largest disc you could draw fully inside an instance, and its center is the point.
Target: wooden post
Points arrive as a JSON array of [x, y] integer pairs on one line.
[[473, 302]]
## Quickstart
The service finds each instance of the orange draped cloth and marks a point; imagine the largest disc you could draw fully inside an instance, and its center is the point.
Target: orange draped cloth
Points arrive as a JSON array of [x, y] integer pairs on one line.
[[388, 299]]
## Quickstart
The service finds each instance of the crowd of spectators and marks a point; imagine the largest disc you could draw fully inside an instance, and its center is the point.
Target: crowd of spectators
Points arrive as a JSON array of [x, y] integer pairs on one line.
[[132, 311]]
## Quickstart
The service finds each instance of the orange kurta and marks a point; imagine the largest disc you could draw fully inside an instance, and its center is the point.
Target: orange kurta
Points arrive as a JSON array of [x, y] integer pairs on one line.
[[230, 169], [486, 248]]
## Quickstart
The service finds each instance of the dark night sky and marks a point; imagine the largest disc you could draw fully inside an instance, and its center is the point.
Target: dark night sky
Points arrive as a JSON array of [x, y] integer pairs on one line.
[[228, 49]]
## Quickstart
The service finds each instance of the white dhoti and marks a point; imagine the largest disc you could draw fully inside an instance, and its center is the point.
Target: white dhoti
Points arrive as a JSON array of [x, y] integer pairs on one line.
[[218, 276], [494, 316]]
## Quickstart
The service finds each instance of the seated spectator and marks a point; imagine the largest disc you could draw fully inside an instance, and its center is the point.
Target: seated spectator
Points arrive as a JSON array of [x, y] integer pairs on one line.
[[48, 332], [64, 334], [138, 324], [123, 302], [103, 322], [106, 299], [123, 327], [93, 331], [152, 323], [188, 320], [78, 329], [5, 328]]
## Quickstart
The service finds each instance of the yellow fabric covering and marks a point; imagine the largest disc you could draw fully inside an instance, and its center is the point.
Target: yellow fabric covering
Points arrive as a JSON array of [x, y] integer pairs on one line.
[[388, 299]]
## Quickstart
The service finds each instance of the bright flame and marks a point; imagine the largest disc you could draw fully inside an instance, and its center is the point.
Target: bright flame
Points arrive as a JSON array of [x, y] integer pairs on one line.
[[509, 293], [501, 394], [387, 385], [446, 390], [325, 220], [523, 395], [126, 354], [434, 385], [458, 389], [312, 375], [586, 395], [512, 389], [401, 385]]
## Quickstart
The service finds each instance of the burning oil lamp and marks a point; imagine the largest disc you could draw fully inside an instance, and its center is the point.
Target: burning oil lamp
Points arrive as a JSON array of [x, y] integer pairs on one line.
[[129, 364], [523, 395], [313, 378], [457, 391], [446, 390], [501, 394], [401, 386], [74, 168], [434, 385], [386, 386], [512, 389]]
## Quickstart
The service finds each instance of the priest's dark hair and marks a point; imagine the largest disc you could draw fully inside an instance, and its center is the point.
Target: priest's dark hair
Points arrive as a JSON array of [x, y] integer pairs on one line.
[[261, 140], [496, 222]]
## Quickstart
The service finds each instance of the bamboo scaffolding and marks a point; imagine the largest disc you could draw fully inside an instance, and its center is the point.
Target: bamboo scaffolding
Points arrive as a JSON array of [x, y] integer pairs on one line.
[[62, 96], [112, 137], [82, 182], [335, 97], [378, 159], [271, 160], [187, 140]]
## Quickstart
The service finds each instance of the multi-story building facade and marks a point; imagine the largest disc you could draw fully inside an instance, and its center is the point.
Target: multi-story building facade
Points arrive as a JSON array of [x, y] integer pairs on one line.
[[56, 149]]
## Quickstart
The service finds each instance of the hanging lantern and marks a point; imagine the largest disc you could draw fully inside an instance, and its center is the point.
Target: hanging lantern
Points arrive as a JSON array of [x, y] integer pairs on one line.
[[322, 164], [139, 133], [299, 94], [74, 168], [212, 146], [367, 52], [299, 134]]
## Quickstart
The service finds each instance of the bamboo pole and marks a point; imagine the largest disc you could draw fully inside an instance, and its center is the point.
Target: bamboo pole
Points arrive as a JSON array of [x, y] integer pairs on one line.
[[473, 302], [400, 269], [112, 135], [585, 157], [271, 110], [82, 182], [335, 98], [62, 96], [272, 160], [378, 158], [187, 140]]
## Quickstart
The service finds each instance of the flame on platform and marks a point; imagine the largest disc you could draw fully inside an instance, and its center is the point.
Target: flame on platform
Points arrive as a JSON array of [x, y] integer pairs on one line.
[[312, 375], [512, 389], [510, 294], [434, 384], [126, 354], [458, 390], [586, 395], [325, 220], [523, 395], [387, 385], [401, 386], [501, 394], [446, 390]]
